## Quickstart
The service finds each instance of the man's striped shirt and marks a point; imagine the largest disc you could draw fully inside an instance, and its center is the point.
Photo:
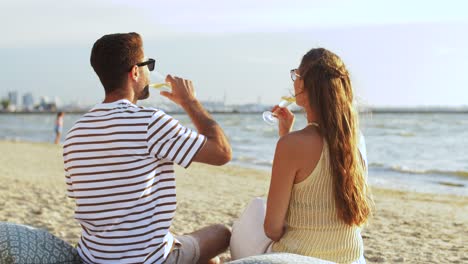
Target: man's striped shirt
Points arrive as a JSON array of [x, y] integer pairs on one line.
[[118, 161]]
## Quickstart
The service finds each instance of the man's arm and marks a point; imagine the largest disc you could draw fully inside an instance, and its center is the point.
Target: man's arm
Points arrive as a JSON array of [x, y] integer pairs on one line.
[[216, 150]]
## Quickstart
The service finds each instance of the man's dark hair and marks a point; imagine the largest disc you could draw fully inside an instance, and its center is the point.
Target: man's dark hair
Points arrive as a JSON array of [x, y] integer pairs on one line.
[[113, 56]]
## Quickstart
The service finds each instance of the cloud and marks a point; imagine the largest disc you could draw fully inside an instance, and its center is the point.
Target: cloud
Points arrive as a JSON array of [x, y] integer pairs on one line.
[[45, 22], [50, 22]]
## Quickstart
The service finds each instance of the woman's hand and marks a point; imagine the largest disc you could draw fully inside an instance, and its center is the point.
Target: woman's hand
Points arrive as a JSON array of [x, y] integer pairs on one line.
[[286, 119]]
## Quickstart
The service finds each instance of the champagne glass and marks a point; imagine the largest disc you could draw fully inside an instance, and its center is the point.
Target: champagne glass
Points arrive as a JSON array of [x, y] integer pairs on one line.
[[158, 81], [270, 117]]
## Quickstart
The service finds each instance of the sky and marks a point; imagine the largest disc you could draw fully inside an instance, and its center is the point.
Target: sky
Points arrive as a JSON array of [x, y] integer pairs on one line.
[[399, 53]]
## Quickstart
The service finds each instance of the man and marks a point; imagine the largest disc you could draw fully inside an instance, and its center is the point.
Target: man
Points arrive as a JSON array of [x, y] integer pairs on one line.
[[119, 164]]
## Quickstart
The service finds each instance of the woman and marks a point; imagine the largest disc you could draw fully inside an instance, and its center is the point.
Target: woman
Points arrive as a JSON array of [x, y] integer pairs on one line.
[[318, 197]]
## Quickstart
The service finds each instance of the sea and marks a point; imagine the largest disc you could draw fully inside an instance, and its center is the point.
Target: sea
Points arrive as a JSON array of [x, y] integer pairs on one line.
[[422, 152]]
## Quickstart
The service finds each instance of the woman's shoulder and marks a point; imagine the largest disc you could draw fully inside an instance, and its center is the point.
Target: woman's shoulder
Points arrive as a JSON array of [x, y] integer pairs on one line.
[[307, 139], [303, 149]]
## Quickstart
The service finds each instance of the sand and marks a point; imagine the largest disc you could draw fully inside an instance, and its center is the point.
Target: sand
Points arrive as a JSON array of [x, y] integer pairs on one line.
[[407, 227]]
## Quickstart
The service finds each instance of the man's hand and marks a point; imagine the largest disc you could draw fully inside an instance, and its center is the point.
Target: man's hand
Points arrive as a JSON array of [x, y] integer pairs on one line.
[[182, 91], [217, 150]]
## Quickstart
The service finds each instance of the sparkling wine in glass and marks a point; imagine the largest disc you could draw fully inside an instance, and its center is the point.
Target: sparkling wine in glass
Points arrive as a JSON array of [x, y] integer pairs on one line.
[[158, 81], [270, 117]]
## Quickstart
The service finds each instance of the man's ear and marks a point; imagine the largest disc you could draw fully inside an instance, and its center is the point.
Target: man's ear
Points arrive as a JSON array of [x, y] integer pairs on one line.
[[134, 73]]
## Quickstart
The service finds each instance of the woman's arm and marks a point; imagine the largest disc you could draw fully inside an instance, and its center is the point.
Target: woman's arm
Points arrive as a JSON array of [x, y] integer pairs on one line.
[[282, 180]]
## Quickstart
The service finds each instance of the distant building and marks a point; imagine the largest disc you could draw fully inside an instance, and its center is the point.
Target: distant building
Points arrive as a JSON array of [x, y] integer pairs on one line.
[[46, 105], [13, 98], [251, 108], [57, 101], [216, 106], [28, 102], [43, 100]]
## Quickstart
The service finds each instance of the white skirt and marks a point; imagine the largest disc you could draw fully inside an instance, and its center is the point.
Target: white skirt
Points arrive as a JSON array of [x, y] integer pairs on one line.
[[248, 237]]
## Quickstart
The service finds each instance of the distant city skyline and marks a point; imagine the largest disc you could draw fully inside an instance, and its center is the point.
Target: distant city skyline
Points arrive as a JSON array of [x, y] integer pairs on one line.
[[44, 104], [399, 53]]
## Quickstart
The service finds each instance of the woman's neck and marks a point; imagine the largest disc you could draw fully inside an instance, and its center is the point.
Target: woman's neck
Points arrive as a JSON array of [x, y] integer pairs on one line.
[[311, 116]]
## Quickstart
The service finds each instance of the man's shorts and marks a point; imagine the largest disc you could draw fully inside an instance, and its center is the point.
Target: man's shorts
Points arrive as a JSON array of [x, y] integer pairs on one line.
[[187, 251]]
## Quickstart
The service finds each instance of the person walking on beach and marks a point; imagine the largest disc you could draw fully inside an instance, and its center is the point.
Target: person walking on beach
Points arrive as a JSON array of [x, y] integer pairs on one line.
[[58, 127], [318, 198], [119, 164]]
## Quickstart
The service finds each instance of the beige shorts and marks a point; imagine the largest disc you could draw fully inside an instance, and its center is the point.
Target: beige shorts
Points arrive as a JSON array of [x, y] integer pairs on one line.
[[187, 251]]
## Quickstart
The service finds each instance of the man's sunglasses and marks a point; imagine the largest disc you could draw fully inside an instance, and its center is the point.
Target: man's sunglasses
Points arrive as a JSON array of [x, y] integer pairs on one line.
[[149, 62]]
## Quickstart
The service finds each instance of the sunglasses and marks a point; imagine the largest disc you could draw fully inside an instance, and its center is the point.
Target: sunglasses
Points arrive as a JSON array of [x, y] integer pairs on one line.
[[294, 75], [150, 63]]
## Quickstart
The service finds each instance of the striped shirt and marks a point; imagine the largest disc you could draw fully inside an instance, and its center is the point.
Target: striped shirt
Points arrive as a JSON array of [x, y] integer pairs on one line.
[[118, 161]]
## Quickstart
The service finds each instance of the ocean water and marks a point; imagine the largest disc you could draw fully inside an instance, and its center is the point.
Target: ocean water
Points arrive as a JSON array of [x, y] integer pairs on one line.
[[411, 151]]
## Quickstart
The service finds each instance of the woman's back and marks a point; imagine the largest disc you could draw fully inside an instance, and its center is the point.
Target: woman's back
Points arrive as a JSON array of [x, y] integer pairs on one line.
[[312, 224], [318, 195]]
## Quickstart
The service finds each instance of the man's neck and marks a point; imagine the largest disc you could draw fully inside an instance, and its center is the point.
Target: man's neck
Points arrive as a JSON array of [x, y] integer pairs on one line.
[[120, 95]]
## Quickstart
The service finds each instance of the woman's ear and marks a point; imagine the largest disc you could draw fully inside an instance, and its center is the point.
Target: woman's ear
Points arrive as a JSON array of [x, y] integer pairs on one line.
[[301, 84]]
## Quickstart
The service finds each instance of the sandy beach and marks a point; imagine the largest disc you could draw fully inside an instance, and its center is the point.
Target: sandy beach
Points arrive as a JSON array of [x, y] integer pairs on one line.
[[407, 227]]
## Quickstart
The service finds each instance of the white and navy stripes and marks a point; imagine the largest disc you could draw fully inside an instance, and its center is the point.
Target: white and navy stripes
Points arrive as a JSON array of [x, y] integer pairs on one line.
[[119, 169]]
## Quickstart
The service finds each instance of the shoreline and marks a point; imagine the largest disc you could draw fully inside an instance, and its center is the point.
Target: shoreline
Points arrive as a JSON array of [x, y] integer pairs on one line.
[[406, 226], [425, 183], [371, 110]]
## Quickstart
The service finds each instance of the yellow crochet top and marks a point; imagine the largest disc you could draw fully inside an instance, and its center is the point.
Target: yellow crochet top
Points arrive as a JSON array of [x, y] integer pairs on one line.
[[312, 225]]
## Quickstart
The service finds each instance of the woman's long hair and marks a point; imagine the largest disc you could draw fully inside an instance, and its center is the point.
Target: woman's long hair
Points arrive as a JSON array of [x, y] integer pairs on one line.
[[329, 91]]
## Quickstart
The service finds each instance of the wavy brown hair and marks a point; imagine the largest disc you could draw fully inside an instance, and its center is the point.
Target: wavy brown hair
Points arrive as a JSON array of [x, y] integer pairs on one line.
[[328, 86]]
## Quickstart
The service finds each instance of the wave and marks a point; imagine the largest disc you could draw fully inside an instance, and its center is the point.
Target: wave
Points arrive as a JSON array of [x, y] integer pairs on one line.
[[232, 122], [12, 139], [396, 134], [406, 134], [250, 160], [264, 163], [376, 165], [400, 169], [245, 159], [241, 140], [387, 126], [250, 128], [253, 161]]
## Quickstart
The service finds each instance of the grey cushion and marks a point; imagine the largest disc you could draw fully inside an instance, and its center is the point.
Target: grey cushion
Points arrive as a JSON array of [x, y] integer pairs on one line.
[[279, 258], [25, 244]]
